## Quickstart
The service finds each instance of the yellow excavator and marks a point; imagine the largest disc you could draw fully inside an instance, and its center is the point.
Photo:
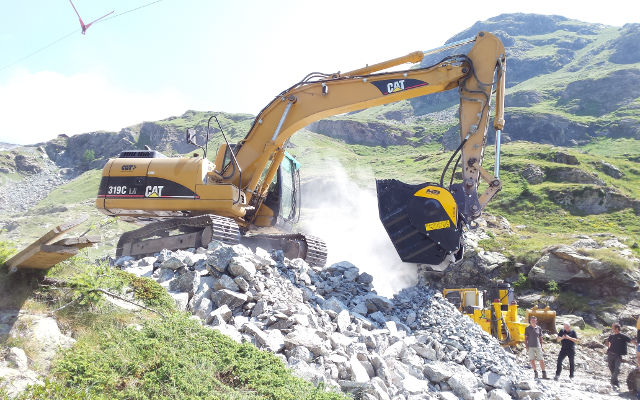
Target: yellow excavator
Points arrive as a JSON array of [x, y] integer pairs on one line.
[[253, 185]]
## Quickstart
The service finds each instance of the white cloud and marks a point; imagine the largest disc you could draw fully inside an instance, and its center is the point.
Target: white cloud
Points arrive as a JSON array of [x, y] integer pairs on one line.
[[36, 107]]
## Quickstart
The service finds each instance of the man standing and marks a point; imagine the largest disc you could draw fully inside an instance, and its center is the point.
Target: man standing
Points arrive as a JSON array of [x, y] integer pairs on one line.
[[568, 338], [617, 347], [533, 342]]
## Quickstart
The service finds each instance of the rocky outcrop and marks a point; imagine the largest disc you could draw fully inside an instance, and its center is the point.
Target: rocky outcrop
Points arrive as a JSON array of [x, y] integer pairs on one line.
[[42, 339], [609, 169], [592, 200], [567, 265], [593, 96], [533, 174], [26, 165], [626, 48], [572, 175], [523, 98], [71, 152], [371, 133]]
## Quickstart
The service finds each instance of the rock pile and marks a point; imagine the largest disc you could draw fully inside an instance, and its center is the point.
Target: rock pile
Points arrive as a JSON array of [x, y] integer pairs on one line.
[[330, 326]]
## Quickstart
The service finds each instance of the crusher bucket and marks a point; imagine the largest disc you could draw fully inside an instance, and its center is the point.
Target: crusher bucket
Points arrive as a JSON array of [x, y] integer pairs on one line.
[[422, 220], [546, 318]]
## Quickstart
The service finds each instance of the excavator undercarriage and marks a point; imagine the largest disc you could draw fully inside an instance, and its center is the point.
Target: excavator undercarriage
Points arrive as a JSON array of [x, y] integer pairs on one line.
[[194, 232]]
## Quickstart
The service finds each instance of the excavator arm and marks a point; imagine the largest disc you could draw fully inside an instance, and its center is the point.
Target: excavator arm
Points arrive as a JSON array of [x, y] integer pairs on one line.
[[319, 96]]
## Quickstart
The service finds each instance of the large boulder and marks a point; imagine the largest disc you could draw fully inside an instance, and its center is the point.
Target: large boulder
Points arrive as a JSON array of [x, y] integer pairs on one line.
[[587, 274]]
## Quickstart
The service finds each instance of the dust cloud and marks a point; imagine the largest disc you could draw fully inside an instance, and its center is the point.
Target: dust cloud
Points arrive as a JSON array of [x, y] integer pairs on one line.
[[345, 215]]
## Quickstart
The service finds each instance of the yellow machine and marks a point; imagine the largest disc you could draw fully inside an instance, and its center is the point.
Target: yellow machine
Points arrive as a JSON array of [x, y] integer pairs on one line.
[[500, 319], [254, 184], [546, 318]]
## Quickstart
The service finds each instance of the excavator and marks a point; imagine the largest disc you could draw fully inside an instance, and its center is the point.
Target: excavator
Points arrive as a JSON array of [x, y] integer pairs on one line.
[[250, 194]]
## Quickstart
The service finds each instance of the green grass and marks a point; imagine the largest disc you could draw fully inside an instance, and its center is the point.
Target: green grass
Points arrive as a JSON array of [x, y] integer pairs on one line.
[[121, 354], [169, 359]]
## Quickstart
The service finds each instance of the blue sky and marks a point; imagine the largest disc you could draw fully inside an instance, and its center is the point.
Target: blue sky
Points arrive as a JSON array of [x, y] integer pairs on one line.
[[208, 55]]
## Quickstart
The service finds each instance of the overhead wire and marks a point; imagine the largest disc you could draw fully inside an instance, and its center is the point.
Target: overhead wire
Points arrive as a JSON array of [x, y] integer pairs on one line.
[[71, 33]]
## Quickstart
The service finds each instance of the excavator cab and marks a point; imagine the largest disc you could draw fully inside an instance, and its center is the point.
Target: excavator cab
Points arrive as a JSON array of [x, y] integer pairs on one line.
[[283, 196]]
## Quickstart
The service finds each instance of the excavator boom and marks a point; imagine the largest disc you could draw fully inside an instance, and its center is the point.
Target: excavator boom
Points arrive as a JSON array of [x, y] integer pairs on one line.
[[424, 221]]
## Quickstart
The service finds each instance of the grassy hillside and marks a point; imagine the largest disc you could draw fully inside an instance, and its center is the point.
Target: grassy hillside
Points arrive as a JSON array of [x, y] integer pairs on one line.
[[140, 354]]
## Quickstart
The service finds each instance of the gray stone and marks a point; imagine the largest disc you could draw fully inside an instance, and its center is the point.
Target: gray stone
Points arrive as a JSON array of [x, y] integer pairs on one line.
[[163, 274], [464, 383], [225, 282], [437, 371], [360, 308], [358, 372], [343, 320], [334, 305], [533, 174], [610, 170], [204, 308], [365, 279], [144, 271], [414, 385], [306, 337], [497, 381], [186, 282], [241, 266], [232, 299], [498, 394], [181, 299], [172, 263], [18, 358], [223, 311], [124, 260], [243, 285], [377, 303], [219, 259], [572, 320]]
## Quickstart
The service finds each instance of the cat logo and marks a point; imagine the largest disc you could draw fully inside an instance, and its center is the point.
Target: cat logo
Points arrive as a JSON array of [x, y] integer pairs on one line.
[[129, 167], [153, 191], [396, 86]]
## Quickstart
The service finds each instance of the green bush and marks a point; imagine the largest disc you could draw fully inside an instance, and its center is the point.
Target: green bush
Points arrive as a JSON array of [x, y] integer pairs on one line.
[[522, 282], [7, 250], [88, 156], [553, 287], [172, 358]]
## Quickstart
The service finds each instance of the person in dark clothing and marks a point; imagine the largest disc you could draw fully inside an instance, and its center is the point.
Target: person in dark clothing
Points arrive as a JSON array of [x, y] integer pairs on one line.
[[617, 347], [568, 338]]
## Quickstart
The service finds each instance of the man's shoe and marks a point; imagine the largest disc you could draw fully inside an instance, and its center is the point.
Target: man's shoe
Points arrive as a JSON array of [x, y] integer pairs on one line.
[[535, 374], [544, 374], [555, 378], [570, 376]]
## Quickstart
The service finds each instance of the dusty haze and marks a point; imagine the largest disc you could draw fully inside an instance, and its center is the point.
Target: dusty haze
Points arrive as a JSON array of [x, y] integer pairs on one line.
[[345, 215]]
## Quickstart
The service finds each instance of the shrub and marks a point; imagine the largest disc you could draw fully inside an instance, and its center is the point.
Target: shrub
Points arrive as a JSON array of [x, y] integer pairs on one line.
[[6, 251], [522, 282], [172, 358], [88, 156], [553, 287]]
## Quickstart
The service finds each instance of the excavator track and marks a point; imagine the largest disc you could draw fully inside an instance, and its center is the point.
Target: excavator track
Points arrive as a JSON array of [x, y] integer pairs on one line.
[[197, 232], [294, 245], [201, 230]]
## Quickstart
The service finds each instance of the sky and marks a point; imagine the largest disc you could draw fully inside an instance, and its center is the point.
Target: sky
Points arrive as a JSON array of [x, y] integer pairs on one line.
[[233, 56]]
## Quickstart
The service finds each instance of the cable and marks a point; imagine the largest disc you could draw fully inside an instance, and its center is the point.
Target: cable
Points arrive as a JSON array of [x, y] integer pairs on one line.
[[132, 10], [39, 50], [71, 33]]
